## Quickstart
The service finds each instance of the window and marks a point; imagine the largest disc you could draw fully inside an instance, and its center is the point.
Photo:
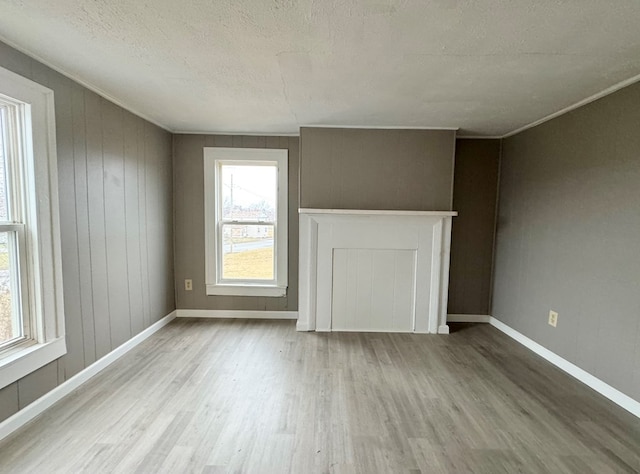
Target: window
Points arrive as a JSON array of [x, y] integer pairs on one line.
[[15, 325], [31, 312], [246, 221]]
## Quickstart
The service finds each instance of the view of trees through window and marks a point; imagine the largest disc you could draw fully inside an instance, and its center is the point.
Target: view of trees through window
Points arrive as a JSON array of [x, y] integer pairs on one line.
[[248, 224]]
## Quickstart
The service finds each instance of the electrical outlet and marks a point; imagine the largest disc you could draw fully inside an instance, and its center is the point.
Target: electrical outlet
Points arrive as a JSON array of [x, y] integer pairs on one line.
[[188, 285], [553, 318]]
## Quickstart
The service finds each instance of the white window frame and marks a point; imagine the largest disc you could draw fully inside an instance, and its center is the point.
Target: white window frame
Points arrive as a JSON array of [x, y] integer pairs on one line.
[[33, 110], [215, 285]]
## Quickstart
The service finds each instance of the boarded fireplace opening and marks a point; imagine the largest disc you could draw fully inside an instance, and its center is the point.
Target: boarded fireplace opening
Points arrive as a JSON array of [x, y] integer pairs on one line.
[[373, 290]]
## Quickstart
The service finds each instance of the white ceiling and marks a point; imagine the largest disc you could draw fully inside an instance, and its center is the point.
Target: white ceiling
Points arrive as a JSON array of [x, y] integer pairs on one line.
[[270, 66]]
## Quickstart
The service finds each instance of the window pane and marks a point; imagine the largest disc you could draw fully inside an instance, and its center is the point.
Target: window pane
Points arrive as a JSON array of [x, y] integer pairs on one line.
[[247, 252], [10, 319], [249, 192], [4, 215]]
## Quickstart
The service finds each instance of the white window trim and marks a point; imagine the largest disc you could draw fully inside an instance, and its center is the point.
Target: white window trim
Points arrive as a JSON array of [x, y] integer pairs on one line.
[[213, 286], [44, 262]]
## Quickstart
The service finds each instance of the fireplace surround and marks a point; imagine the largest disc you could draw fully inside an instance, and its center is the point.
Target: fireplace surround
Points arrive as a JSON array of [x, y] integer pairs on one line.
[[374, 270]]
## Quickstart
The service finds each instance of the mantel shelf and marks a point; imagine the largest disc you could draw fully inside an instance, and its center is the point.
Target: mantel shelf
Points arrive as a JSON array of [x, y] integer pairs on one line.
[[366, 212]]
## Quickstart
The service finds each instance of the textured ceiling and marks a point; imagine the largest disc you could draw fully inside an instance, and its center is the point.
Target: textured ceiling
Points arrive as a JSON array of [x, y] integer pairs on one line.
[[487, 67]]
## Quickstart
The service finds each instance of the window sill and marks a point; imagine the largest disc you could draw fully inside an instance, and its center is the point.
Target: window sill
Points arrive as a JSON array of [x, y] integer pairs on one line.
[[21, 362], [246, 290]]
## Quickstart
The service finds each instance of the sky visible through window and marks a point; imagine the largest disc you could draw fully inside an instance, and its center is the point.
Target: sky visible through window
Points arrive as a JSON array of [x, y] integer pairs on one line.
[[6, 320], [249, 193]]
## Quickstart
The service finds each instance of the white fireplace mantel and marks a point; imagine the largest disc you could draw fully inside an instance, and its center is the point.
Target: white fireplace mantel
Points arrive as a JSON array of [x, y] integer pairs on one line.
[[374, 270]]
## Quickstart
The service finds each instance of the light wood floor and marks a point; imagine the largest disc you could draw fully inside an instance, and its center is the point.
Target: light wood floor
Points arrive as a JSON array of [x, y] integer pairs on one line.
[[255, 396]]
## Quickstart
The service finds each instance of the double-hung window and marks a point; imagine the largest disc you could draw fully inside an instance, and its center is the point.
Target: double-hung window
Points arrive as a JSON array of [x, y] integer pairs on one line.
[[31, 305], [246, 221], [15, 323]]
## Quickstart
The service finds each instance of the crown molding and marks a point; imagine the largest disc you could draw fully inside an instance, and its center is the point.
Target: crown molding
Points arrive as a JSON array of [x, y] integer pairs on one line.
[[610, 90], [588, 100], [83, 83], [248, 134], [479, 137], [379, 127]]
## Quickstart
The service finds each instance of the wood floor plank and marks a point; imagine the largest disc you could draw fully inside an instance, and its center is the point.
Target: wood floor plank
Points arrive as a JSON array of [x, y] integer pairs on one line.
[[223, 396]]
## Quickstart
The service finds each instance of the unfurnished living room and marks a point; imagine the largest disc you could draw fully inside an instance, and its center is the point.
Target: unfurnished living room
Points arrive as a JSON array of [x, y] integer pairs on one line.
[[309, 236]]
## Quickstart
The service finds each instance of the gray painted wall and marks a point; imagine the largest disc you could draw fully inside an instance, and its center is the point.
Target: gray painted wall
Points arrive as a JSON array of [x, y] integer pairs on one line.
[[475, 193], [116, 222], [569, 237], [188, 171], [376, 169]]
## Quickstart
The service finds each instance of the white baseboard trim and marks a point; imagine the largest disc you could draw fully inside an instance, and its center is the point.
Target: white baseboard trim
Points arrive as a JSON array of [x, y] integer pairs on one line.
[[304, 326], [468, 318], [34, 409], [235, 314], [616, 396], [443, 329]]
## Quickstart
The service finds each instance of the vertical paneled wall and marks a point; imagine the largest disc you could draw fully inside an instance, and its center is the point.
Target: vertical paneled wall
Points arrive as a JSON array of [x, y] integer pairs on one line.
[[568, 237], [188, 168], [115, 191], [475, 192]]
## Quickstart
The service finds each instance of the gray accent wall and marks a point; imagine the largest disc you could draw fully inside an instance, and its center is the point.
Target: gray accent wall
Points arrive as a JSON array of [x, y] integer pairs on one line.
[[475, 192], [346, 168], [568, 237], [188, 168], [115, 191]]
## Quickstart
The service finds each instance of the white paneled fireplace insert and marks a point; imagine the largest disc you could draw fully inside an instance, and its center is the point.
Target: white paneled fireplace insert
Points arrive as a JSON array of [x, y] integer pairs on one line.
[[385, 271]]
